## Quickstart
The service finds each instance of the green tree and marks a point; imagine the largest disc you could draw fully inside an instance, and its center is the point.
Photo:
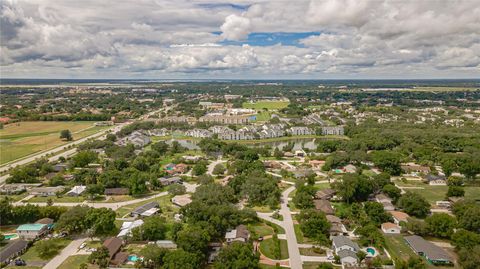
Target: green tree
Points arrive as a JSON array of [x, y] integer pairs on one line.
[[237, 256], [66, 134], [315, 225], [153, 228], [101, 221], [414, 204], [470, 219], [469, 258], [100, 257], [199, 168], [441, 224], [193, 239], [219, 169], [455, 191], [392, 191], [376, 212], [153, 256], [83, 158], [388, 161], [463, 239], [181, 259], [370, 235], [47, 249], [176, 189]]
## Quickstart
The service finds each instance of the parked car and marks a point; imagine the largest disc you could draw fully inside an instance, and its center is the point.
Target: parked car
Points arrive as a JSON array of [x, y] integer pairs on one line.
[[20, 262], [83, 245]]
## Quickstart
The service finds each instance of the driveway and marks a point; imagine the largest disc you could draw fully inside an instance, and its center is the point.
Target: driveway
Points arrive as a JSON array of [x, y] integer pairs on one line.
[[212, 165], [68, 251]]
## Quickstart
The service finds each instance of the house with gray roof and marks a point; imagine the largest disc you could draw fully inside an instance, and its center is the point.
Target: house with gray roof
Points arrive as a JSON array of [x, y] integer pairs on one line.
[[433, 253], [14, 249], [341, 242], [348, 257], [143, 208], [300, 130]]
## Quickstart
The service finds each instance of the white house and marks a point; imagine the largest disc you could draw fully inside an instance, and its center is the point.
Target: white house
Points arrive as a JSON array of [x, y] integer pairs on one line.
[[390, 228], [76, 191], [341, 242]]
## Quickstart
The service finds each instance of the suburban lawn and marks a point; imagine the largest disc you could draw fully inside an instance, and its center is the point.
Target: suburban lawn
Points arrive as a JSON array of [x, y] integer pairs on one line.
[[263, 116], [312, 251], [299, 234], [73, 262], [266, 104], [166, 206], [437, 193], [32, 254], [267, 248], [398, 248], [63, 199], [20, 139]]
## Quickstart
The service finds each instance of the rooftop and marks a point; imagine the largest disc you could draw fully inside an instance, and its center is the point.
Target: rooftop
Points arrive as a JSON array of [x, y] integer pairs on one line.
[[31, 227]]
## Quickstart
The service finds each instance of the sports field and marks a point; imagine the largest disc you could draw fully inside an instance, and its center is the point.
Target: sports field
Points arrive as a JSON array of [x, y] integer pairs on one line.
[[270, 105], [21, 139]]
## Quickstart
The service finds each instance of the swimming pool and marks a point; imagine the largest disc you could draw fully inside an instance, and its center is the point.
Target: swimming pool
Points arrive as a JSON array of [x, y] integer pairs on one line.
[[371, 251], [133, 258], [11, 236]]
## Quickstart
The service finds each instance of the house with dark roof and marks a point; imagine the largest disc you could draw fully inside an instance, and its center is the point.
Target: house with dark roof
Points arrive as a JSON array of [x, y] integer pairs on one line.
[[116, 191], [165, 181], [324, 206], [433, 253], [113, 244], [325, 194], [14, 249], [143, 208], [240, 233]]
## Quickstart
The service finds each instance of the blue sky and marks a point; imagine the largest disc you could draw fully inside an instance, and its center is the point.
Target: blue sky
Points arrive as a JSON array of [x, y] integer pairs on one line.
[[270, 39]]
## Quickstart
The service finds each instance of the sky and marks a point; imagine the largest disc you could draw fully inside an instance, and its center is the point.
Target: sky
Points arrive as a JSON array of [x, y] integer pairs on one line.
[[280, 39]]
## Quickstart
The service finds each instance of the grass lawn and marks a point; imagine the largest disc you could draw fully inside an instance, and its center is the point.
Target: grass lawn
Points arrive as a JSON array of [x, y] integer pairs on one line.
[[270, 105], [263, 116], [261, 229], [312, 251], [73, 262], [267, 248], [322, 186], [32, 254], [266, 266], [314, 265], [24, 138], [437, 193], [398, 248]]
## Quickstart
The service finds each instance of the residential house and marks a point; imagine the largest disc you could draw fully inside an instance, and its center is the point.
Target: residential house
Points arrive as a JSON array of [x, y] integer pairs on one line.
[[225, 119], [32, 231], [182, 200], [14, 249], [413, 169], [76, 191], [60, 167], [385, 201], [300, 130], [141, 209], [158, 132], [316, 164], [332, 130], [113, 245], [47, 221], [350, 168], [136, 138], [336, 225], [399, 216], [165, 181], [16, 188], [325, 194], [168, 244], [433, 253], [128, 226], [324, 206], [346, 249], [199, 133], [46, 191], [390, 228], [240, 233], [436, 179], [116, 191]]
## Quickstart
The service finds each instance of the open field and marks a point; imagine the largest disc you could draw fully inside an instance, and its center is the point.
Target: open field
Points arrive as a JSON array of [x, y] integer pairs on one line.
[[270, 105], [437, 193], [21, 139], [32, 255]]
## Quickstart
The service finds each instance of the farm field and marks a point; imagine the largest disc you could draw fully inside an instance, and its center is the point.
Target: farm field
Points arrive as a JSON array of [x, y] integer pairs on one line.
[[270, 105], [21, 139]]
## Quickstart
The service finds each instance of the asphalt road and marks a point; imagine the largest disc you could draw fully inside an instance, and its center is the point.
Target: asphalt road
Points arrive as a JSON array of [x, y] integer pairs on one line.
[[293, 251]]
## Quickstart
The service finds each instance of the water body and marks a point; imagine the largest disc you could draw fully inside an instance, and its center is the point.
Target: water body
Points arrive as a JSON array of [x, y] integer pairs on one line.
[[298, 143]]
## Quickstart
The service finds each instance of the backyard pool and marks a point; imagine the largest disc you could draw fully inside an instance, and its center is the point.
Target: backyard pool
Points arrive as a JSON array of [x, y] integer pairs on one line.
[[133, 258], [371, 251], [11, 236]]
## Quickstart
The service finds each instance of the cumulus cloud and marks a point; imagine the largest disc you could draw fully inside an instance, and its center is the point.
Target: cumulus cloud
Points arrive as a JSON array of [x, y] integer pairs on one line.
[[236, 27], [168, 38]]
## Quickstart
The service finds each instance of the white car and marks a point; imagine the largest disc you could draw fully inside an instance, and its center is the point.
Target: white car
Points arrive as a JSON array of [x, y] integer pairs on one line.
[[83, 245]]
